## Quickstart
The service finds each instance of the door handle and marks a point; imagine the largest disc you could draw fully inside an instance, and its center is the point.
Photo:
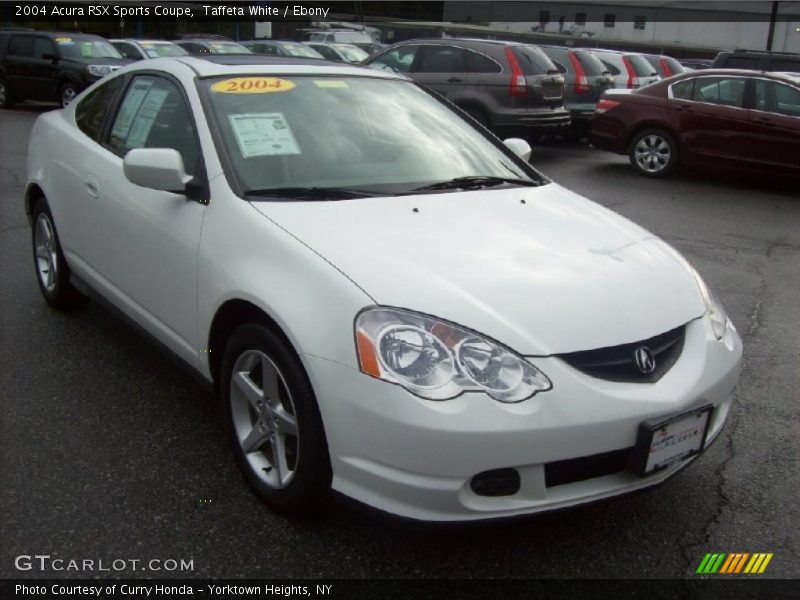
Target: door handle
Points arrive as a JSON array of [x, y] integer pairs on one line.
[[92, 186], [454, 80]]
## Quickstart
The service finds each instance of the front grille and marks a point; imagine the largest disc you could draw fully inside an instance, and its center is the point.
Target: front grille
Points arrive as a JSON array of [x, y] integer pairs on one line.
[[586, 467], [616, 363]]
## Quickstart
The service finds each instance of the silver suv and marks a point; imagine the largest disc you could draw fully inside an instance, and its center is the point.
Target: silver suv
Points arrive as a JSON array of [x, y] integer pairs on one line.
[[506, 86], [629, 69]]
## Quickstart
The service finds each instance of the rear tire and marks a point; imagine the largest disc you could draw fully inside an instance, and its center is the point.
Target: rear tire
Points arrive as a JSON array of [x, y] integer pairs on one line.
[[654, 153], [273, 422], [52, 271], [6, 100]]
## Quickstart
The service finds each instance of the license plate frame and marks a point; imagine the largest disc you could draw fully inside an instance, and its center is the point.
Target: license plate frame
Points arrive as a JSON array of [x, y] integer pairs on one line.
[[671, 427]]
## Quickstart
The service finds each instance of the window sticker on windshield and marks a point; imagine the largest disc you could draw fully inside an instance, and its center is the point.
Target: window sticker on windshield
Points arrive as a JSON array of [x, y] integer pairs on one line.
[[263, 134], [330, 83], [86, 49], [252, 85], [63, 40], [151, 53]]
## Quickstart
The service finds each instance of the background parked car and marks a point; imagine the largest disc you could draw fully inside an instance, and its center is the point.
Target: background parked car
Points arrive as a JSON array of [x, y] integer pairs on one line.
[[346, 36], [506, 86], [143, 49], [585, 79], [665, 66], [759, 61], [695, 64], [281, 48], [50, 66], [198, 46], [730, 118], [630, 70], [340, 52]]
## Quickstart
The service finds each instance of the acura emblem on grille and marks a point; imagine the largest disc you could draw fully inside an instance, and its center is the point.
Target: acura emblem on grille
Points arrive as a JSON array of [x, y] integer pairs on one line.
[[644, 359]]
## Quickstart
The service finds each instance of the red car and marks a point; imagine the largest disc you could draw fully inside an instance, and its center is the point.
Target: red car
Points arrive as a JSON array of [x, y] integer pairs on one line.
[[718, 117]]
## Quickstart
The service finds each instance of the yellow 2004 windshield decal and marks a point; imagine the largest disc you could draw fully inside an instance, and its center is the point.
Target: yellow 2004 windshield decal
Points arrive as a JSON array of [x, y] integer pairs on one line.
[[252, 85]]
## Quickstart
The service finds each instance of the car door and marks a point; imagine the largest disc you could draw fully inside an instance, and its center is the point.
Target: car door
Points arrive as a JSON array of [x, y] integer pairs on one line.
[[441, 68], [43, 69], [143, 244], [18, 65], [714, 123], [775, 119]]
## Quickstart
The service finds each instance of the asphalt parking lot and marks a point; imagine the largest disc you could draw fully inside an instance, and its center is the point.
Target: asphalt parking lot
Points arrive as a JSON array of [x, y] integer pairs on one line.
[[107, 450]]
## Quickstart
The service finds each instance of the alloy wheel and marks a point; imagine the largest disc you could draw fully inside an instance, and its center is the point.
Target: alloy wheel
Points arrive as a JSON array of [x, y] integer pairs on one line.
[[652, 153], [46, 257], [67, 96], [264, 419]]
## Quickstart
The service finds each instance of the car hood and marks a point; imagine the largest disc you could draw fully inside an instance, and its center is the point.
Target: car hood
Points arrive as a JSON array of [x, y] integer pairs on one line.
[[542, 270]]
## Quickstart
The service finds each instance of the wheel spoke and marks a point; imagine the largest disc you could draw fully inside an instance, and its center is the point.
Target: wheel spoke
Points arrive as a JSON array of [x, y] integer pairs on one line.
[[279, 457], [269, 382], [249, 389], [254, 440], [285, 423]]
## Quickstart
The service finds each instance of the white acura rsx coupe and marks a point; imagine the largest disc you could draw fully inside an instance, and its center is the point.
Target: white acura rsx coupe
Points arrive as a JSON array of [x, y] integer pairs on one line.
[[390, 302]]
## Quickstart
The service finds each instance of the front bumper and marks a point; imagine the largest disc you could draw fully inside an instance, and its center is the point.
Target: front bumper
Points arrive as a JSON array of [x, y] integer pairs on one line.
[[416, 458]]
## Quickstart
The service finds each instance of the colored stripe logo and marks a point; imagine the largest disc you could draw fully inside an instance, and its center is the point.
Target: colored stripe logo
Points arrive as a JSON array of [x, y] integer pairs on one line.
[[735, 562]]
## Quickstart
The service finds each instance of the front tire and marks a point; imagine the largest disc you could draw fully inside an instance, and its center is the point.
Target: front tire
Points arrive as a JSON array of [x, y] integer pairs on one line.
[[654, 153], [67, 93], [273, 422], [52, 271]]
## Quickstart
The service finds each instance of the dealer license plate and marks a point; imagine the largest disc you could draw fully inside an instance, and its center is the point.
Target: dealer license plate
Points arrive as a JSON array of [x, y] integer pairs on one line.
[[661, 444]]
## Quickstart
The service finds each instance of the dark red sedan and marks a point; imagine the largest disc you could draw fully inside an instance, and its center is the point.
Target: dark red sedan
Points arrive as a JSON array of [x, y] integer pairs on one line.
[[746, 120]]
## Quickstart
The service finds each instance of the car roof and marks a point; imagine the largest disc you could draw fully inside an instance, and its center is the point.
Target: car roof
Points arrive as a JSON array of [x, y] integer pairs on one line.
[[54, 34], [141, 41], [746, 73], [221, 65]]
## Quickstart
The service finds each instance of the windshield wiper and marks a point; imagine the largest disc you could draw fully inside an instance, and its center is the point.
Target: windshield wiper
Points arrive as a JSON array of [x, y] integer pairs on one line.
[[310, 193], [475, 182]]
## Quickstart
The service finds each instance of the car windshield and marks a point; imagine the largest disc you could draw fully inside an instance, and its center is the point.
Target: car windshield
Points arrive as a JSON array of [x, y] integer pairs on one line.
[[300, 50], [323, 133], [228, 48], [162, 50], [71, 47], [352, 53]]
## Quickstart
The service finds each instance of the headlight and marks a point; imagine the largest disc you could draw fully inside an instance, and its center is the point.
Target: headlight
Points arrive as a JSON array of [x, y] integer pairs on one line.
[[717, 314], [438, 360], [99, 70]]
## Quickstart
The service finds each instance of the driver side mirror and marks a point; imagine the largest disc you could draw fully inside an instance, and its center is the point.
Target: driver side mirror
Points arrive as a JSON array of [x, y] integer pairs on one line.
[[156, 168], [519, 147]]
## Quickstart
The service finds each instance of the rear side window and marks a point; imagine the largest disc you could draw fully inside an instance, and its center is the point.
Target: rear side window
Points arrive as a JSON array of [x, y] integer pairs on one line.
[[741, 62], [533, 61], [610, 68], [592, 65], [683, 89], [478, 63], [443, 59], [127, 50], [91, 110], [21, 45], [726, 91]]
